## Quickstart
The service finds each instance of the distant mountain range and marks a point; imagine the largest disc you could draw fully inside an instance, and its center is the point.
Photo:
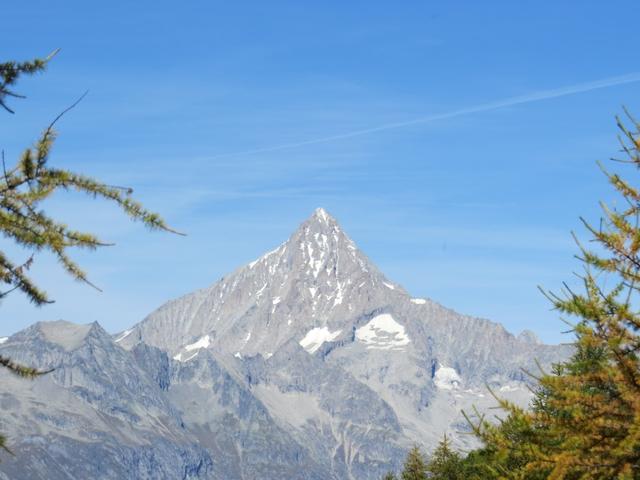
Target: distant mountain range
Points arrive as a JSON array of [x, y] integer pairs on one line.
[[307, 363]]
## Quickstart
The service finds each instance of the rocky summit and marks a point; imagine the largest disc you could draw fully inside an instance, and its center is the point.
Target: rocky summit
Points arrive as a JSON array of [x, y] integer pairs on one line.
[[307, 363]]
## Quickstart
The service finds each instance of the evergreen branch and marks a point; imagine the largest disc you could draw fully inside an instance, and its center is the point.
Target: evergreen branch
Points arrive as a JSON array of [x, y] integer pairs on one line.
[[21, 370], [10, 72]]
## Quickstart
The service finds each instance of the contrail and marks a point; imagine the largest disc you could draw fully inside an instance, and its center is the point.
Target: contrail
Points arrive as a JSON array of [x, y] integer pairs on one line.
[[483, 107]]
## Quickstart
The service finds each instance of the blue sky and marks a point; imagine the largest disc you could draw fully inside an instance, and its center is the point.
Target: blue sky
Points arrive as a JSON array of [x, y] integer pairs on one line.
[[211, 111]]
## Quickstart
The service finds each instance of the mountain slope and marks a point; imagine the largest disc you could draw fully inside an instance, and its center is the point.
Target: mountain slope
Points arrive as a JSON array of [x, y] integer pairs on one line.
[[307, 363], [423, 361], [314, 288], [98, 415]]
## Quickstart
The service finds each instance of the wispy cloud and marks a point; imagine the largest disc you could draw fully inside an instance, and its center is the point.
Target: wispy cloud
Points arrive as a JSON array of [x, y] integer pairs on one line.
[[483, 107]]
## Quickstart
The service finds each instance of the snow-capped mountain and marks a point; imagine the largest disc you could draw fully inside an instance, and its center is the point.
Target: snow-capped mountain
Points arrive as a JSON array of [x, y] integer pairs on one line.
[[315, 280], [305, 363]]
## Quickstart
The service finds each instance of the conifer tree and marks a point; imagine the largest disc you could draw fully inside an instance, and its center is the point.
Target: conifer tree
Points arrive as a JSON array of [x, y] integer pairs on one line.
[[415, 467], [23, 189], [31, 181], [508, 451], [585, 418], [389, 476], [445, 463]]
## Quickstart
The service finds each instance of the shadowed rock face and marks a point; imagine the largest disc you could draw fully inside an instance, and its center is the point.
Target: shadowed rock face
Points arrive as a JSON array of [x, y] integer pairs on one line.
[[306, 364]]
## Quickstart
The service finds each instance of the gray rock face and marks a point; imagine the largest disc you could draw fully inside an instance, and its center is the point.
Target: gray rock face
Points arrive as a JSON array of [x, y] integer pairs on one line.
[[305, 364], [236, 427], [100, 414]]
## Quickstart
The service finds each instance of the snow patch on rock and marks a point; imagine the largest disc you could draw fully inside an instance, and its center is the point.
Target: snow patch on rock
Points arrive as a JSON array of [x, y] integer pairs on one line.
[[204, 342], [383, 333], [124, 335], [510, 388], [446, 378], [259, 292], [316, 337]]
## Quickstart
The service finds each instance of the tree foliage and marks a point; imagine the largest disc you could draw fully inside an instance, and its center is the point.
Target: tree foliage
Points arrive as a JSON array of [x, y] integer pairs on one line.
[[415, 467], [445, 463], [584, 422], [11, 71], [32, 180]]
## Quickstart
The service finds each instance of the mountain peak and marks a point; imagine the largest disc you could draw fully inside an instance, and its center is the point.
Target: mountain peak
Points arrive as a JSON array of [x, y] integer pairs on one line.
[[321, 214], [322, 219], [316, 279], [67, 335], [315, 240], [320, 240]]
